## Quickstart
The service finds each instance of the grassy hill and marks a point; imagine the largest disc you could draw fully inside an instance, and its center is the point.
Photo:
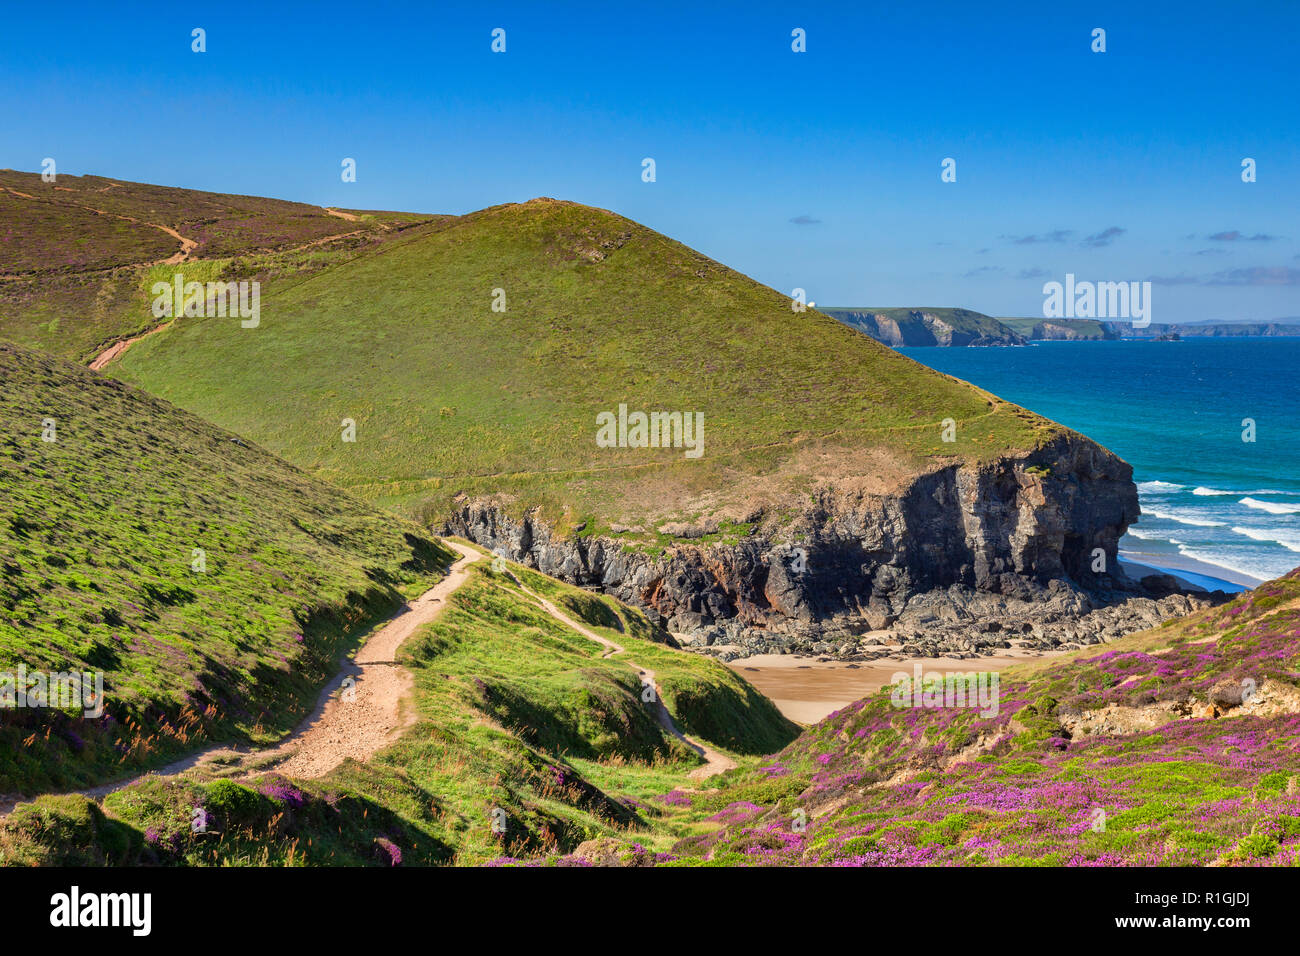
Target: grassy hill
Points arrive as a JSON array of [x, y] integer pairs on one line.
[[450, 397], [928, 326], [100, 573], [1176, 746], [77, 255], [517, 714]]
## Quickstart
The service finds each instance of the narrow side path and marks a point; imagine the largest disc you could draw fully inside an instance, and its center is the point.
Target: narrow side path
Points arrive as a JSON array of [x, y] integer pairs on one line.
[[715, 762]]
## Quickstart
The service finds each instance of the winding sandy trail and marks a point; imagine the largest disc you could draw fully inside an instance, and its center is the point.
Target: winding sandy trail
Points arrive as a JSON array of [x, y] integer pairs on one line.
[[714, 761], [187, 245], [117, 348], [361, 711], [357, 714]]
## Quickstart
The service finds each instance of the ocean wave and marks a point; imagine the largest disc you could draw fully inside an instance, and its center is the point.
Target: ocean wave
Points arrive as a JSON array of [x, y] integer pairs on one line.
[[1158, 487], [1145, 535], [1251, 569], [1272, 507], [1272, 536], [1183, 518], [1207, 492]]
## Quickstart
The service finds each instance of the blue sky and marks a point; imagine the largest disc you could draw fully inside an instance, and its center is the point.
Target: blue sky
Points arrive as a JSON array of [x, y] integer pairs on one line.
[[819, 170]]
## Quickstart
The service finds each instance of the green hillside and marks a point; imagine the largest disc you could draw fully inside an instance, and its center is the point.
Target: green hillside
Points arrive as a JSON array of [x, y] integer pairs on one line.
[[517, 714], [101, 574], [450, 397], [77, 255]]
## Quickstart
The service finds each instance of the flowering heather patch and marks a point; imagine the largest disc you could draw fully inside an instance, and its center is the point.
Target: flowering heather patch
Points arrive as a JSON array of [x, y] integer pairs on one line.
[[1193, 793], [283, 792], [675, 798], [391, 851], [736, 812], [534, 862], [1198, 780]]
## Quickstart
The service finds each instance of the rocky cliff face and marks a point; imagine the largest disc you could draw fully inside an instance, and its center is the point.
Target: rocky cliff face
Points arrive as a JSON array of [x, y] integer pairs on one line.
[[1010, 528], [1067, 332], [912, 327], [1218, 330]]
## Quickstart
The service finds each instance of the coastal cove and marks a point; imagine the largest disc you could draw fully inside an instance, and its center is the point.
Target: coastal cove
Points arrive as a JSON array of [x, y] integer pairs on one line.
[[1213, 505]]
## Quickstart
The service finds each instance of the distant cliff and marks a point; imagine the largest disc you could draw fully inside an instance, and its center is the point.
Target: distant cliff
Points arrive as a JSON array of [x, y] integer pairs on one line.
[[935, 327], [1216, 330], [947, 327], [1080, 330], [1061, 330]]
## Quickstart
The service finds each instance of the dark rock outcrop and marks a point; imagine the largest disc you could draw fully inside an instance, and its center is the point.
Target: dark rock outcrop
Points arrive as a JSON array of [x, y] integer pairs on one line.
[[1014, 527]]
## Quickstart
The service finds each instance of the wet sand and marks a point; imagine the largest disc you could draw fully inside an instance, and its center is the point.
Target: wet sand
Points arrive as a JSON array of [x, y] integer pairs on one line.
[[806, 691], [1137, 564]]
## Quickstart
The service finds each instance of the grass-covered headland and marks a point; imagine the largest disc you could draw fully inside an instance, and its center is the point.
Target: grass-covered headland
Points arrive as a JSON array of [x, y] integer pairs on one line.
[[450, 395]]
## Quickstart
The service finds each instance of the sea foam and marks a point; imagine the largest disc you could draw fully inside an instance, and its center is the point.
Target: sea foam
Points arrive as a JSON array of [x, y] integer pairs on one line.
[[1158, 487], [1271, 536], [1248, 568], [1182, 518], [1272, 507]]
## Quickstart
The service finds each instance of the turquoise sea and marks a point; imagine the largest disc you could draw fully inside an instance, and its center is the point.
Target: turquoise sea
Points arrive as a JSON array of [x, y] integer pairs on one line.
[[1174, 411]]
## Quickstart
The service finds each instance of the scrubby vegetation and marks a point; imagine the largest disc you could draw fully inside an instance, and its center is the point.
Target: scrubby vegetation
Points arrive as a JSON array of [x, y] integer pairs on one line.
[[1177, 746], [76, 254]]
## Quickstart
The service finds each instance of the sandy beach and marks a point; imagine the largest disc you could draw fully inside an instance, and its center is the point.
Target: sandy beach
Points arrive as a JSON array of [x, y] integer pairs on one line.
[[1199, 573], [806, 690]]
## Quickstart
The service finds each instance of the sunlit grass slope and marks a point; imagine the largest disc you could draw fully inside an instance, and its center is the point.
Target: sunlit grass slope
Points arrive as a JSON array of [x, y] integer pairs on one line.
[[450, 396], [213, 585]]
